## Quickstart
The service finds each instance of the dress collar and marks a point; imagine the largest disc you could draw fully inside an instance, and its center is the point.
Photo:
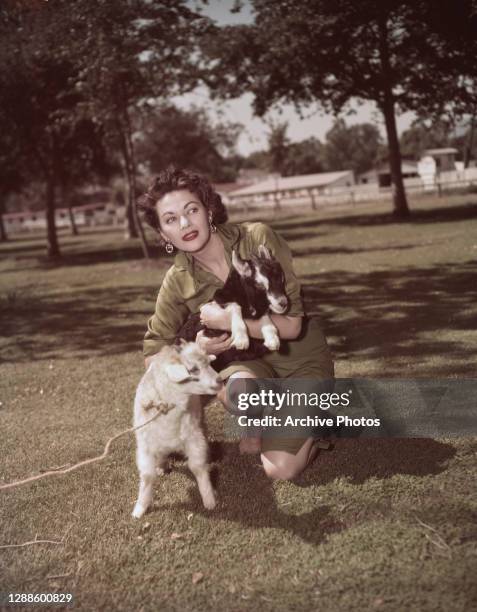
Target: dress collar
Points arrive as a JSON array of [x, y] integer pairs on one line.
[[229, 233]]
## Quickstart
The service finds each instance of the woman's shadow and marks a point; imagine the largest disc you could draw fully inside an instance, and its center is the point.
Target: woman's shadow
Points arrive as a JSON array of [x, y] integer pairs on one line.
[[246, 495]]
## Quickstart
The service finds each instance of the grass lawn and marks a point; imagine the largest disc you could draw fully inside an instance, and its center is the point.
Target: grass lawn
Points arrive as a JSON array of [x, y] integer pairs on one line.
[[373, 524]]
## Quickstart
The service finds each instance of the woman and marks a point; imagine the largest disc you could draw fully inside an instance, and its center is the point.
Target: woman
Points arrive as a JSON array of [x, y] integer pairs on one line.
[[190, 217]]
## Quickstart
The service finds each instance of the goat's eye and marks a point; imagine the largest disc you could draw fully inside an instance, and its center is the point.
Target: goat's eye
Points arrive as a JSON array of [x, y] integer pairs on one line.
[[194, 370]]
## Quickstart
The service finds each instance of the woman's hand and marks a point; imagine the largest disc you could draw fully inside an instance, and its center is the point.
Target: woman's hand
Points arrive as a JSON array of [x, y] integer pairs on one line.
[[214, 316], [213, 346]]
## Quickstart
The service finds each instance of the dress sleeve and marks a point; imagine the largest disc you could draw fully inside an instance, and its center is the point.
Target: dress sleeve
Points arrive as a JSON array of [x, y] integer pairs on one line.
[[263, 234], [170, 314]]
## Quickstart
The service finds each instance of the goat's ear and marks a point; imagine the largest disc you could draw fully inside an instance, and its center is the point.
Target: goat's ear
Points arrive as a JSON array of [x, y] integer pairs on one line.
[[263, 252], [177, 372], [242, 266], [212, 358]]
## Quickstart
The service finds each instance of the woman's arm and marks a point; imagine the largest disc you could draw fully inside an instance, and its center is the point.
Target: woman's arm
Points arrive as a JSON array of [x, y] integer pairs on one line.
[[288, 327], [216, 317], [169, 316]]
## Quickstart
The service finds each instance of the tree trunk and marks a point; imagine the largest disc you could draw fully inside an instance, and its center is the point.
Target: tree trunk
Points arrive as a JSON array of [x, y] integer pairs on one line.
[[66, 199], [131, 231], [53, 247], [312, 197], [3, 233], [469, 143], [74, 227], [132, 191], [401, 209], [137, 221]]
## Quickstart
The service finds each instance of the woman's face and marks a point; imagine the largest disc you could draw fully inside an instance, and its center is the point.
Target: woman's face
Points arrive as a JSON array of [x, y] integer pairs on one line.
[[183, 220]]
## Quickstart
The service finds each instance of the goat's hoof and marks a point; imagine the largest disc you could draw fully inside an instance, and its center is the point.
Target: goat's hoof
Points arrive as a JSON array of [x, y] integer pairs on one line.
[[209, 503], [241, 341], [138, 511], [272, 344]]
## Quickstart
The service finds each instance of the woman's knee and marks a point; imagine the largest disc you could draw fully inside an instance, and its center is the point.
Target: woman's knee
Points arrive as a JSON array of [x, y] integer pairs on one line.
[[226, 396], [279, 465]]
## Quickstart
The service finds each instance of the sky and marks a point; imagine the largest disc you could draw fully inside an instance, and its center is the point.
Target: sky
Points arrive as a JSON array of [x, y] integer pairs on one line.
[[254, 134]]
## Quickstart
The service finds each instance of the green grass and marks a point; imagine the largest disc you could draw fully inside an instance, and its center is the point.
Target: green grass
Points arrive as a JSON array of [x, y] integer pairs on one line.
[[373, 524]]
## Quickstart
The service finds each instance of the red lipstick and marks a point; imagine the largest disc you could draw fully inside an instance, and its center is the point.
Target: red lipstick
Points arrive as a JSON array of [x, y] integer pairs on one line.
[[190, 236]]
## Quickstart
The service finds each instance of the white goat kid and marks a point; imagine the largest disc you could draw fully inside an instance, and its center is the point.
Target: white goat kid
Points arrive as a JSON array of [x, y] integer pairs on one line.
[[174, 374]]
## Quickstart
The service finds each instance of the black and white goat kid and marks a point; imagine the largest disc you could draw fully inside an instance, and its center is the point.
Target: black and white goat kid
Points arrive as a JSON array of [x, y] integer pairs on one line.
[[254, 288]]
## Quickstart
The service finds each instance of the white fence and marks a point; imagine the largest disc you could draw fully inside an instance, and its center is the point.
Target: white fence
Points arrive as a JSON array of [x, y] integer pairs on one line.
[[84, 216], [92, 215], [446, 181]]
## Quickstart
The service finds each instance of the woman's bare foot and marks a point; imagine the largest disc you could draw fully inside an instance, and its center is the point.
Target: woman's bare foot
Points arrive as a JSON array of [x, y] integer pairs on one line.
[[250, 446]]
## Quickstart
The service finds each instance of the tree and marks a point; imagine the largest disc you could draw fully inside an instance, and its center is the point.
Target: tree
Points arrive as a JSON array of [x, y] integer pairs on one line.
[[36, 101], [108, 59], [304, 157], [10, 164], [464, 140], [425, 135], [333, 51], [132, 53], [187, 139], [355, 147], [278, 144]]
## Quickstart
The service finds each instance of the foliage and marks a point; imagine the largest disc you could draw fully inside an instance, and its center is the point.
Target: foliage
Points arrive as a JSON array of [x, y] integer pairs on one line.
[[278, 144], [51, 144], [333, 51], [304, 157], [188, 139], [69, 105], [132, 53], [352, 147]]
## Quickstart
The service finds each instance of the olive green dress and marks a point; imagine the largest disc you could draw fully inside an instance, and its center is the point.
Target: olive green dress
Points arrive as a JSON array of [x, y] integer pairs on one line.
[[187, 286]]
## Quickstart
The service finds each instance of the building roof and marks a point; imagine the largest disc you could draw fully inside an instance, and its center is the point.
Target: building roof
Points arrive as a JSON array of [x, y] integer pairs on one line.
[[304, 181], [443, 151], [226, 187]]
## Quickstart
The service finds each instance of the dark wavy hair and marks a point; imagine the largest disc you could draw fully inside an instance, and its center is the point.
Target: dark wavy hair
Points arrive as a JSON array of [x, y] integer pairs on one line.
[[173, 179]]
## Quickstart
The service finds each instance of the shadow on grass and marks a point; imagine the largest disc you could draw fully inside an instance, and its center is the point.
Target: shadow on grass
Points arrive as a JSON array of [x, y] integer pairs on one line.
[[398, 313], [98, 256], [246, 496], [446, 214], [401, 314], [324, 250], [84, 323], [358, 460], [78, 251]]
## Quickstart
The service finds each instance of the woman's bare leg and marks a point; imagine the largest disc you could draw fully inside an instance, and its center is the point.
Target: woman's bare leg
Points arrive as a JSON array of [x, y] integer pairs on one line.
[[249, 445], [280, 465]]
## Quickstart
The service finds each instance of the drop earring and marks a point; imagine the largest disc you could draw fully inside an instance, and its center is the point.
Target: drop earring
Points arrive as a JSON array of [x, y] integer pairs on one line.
[[169, 247], [213, 228]]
